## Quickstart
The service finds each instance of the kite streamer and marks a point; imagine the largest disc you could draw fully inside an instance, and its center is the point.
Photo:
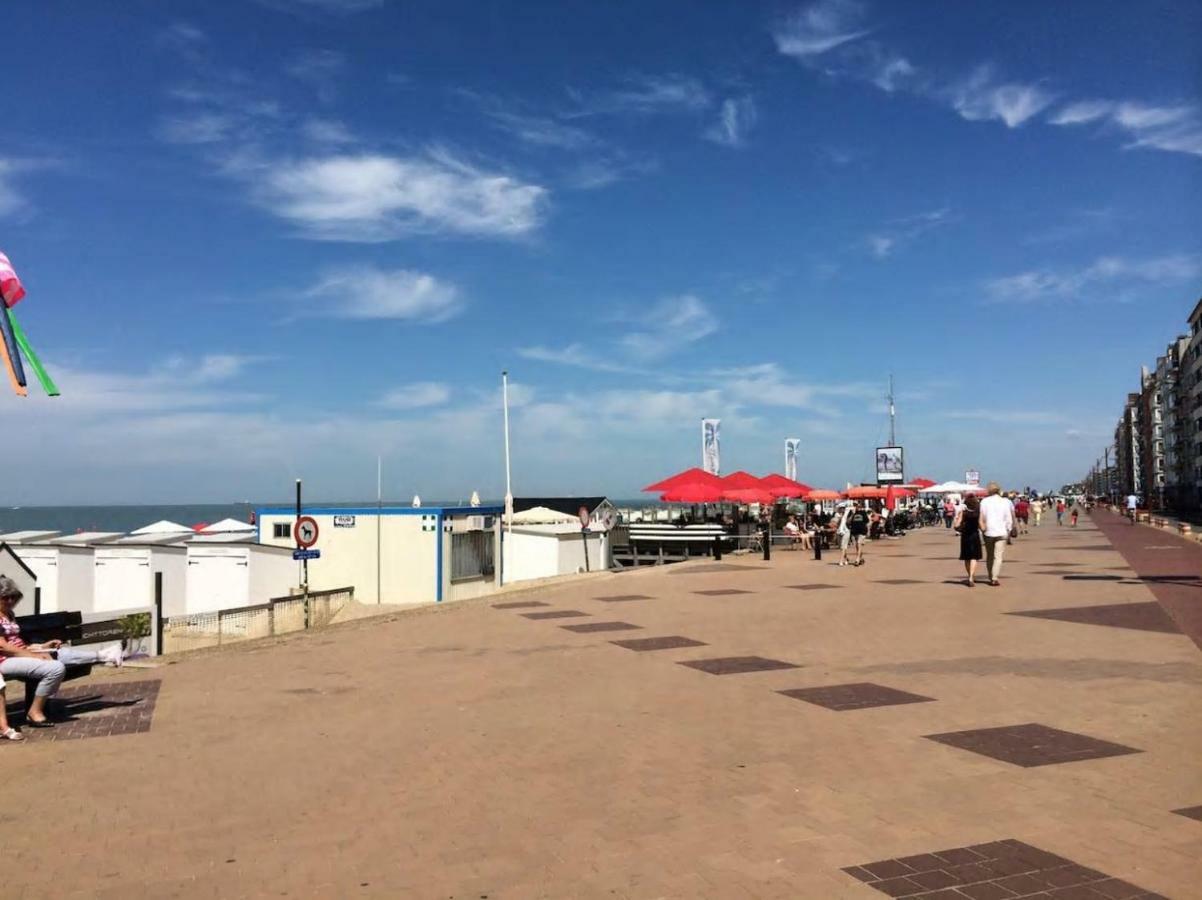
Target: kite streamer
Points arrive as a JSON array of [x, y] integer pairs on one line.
[[13, 342], [31, 357], [11, 352]]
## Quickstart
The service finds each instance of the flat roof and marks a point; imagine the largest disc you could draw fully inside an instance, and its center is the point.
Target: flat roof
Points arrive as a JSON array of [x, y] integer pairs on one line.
[[383, 510], [17, 537]]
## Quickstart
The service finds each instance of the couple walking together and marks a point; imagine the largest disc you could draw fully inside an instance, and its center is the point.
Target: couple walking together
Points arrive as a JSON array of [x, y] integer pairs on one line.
[[989, 522]]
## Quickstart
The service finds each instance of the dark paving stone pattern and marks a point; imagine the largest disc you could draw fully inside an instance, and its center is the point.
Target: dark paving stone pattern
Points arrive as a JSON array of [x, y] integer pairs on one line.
[[1139, 616], [861, 695], [1190, 812], [711, 567], [589, 627], [1180, 599], [520, 604], [814, 587], [556, 614], [994, 871], [721, 592], [897, 581], [671, 642], [104, 709], [1031, 744], [623, 598], [734, 665]]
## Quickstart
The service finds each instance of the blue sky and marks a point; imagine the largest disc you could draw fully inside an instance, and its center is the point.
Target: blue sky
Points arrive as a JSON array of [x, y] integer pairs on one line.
[[276, 238]]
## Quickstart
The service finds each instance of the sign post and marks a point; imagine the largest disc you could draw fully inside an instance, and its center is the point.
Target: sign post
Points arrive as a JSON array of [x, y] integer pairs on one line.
[[304, 533]]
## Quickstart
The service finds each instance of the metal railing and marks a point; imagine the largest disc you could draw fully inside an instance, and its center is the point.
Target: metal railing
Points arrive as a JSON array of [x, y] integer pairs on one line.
[[279, 615]]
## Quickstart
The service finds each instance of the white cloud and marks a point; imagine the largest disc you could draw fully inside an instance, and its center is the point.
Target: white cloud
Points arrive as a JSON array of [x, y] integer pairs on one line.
[[11, 199], [320, 69], [906, 229], [1105, 278], [980, 97], [196, 128], [327, 131], [892, 73], [221, 366], [1175, 128], [648, 95], [580, 357], [820, 27], [736, 117], [419, 395], [365, 292], [670, 324], [374, 197], [540, 131]]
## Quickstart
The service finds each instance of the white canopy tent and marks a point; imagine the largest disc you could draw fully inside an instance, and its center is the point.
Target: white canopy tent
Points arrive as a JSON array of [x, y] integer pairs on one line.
[[953, 487], [541, 515], [163, 526]]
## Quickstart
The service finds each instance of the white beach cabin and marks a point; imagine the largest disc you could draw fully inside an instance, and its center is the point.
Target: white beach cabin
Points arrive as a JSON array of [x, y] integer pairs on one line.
[[229, 570], [64, 568], [544, 542], [126, 569]]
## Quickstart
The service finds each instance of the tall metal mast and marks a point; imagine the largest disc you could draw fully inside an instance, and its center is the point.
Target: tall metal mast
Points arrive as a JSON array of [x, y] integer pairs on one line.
[[892, 416]]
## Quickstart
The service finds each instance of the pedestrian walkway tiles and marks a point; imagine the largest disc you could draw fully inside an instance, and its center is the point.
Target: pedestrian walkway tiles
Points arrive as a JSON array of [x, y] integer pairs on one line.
[[993, 871], [1031, 744], [733, 665], [102, 709], [861, 695], [623, 598], [519, 604], [1149, 616], [1190, 812], [589, 627], [671, 642], [722, 592], [814, 587], [556, 614]]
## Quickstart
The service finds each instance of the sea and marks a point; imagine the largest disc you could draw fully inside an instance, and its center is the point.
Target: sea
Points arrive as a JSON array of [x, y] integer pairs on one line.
[[73, 519]]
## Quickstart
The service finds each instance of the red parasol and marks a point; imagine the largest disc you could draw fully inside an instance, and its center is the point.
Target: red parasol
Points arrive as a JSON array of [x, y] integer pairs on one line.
[[890, 498], [864, 492], [780, 486], [693, 492], [688, 476], [749, 495], [822, 494], [921, 483]]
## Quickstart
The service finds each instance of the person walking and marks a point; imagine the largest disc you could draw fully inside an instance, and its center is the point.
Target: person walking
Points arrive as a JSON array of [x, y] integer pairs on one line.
[[949, 512], [968, 525], [1132, 506], [1059, 510], [1074, 516], [997, 524], [1022, 511], [1037, 511]]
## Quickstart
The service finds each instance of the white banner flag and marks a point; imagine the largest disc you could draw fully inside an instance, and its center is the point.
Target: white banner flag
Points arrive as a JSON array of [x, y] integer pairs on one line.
[[791, 445], [711, 439]]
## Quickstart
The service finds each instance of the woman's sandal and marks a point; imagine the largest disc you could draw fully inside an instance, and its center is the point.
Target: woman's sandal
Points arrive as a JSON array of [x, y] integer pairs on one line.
[[11, 734], [44, 723]]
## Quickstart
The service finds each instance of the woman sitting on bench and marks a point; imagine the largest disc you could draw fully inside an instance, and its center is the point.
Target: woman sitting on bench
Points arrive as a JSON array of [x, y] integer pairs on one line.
[[36, 662]]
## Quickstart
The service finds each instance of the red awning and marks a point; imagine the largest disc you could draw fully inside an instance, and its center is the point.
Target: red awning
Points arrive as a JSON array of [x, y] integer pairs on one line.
[[822, 494], [921, 483], [688, 476], [749, 495]]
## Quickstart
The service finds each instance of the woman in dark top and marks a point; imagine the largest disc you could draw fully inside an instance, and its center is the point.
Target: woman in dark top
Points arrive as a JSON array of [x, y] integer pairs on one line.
[[968, 524]]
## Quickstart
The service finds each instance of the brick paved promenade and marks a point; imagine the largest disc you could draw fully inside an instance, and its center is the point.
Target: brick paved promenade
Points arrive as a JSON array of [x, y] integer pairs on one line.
[[787, 729]]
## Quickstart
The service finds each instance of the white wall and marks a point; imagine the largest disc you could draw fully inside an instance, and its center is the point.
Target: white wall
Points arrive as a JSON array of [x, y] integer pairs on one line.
[[65, 575], [272, 574], [530, 553], [124, 577]]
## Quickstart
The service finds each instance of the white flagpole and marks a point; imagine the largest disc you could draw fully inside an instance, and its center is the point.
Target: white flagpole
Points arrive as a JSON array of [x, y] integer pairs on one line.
[[379, 518], [508, 485]]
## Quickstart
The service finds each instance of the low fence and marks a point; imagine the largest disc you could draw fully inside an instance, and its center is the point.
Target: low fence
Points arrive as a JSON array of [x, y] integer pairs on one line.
[[245, 623]]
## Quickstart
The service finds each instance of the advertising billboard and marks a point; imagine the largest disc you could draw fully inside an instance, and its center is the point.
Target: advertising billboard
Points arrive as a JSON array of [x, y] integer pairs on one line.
[[889, 465]]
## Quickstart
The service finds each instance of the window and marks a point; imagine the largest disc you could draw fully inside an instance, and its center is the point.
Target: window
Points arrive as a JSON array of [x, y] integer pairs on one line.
[[281, 530], [472, 555]]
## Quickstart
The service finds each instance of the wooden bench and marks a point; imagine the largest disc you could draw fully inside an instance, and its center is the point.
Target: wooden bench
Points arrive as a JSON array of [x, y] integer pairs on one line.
[[689, 539], [55, 626]]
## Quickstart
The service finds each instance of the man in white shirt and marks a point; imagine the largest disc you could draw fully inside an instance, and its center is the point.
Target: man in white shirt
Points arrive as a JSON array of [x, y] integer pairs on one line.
[[1132, 506], [997, 521]]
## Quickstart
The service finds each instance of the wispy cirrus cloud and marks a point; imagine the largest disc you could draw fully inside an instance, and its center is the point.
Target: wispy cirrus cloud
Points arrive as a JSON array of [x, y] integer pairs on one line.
[[906, 229], [320, 69], [736, 117], [981, 97], [646, 95], [419, 395], [1107, 278], [367, 292], [669, 325], [835, 37], [1176, 128], [819, 27]]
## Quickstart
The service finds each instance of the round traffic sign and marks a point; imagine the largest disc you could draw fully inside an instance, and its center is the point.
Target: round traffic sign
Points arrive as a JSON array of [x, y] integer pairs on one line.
[[584, 516], [305, 532]]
